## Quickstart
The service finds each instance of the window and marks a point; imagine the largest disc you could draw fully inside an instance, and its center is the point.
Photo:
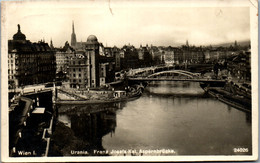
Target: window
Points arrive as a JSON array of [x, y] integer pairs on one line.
[[79, 81], [74, 70], [79, 69], [79, 62], [79, 75], [74, 75]]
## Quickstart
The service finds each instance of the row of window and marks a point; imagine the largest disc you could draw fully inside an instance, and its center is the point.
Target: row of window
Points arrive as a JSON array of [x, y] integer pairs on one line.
[[79, 62], [11, 77], [79, 75], [10, 71], [78, 81], [11, 61], [78, 69], [10, 65]]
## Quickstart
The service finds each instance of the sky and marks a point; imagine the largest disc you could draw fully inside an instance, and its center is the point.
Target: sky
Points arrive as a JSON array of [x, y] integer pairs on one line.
[[115, 23]]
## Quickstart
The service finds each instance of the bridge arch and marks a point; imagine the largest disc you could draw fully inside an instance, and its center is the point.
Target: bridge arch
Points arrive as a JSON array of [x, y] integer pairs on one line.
[[190, 73], [181, 72]]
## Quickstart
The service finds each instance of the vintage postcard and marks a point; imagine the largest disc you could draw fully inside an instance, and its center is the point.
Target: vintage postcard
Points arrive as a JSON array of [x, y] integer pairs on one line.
[[129, 80]]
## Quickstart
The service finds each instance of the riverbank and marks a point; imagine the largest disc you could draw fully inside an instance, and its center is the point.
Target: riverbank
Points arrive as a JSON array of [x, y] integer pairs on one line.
[[71, 96], [234, 93], [63, 141]]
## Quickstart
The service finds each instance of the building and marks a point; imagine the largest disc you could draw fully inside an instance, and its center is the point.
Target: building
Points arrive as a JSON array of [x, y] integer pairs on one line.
[[91, 67], [92, 52], [78, 71], [63, 56], [144, 56], [29, 63], [118, 59], [74, 44], [240, 66], [130, 57], [97, 62]]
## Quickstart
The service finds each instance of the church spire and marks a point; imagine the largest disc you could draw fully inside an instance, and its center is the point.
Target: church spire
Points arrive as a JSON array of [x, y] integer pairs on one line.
[[187, 43], [73, 36], [51, 44], [73, 31]]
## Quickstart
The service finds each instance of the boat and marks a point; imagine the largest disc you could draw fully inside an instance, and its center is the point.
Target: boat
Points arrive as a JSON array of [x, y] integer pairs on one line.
[[230, 95]]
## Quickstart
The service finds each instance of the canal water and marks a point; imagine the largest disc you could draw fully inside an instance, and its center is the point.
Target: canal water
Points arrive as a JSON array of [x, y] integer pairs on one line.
[[170, 118]]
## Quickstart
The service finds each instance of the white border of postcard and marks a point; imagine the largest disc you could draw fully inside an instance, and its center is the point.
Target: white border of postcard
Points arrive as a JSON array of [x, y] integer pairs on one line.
[[252, 4]]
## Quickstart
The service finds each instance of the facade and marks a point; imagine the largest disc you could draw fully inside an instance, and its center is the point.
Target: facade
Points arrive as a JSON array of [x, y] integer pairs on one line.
[[107, 69], [118, 59], [92, 52], [130, 55], [144, 56], [29, 63], [63, 56], [240, 66], [89, 69], [78, 71]]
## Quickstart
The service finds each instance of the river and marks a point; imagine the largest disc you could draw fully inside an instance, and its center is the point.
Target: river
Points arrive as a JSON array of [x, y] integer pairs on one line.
[[170, 118]]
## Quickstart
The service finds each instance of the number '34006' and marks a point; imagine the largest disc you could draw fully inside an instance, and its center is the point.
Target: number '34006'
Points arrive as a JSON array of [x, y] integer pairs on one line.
[[240, 150]]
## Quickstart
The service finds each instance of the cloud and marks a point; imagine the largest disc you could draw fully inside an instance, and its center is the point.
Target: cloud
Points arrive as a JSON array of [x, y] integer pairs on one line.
[[157, 25]]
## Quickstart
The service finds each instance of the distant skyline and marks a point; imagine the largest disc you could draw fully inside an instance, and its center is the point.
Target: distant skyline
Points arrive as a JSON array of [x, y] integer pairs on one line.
[[123, 23]]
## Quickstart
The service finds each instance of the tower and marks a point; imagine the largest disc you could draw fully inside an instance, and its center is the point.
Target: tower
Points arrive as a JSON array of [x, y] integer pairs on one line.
[[235, 43], [73, 37], [51, 44], [92, 52], [19, 36], [187, 43]]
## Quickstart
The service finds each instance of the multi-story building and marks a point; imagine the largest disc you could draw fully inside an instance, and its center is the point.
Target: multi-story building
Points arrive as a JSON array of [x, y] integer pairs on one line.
[[129, 56], [144, 56], [178, 56], [240, 66], [29, 63], [63, 56], [107, 73], [118, 59], [78, 71], [91, 67], [92, 53]]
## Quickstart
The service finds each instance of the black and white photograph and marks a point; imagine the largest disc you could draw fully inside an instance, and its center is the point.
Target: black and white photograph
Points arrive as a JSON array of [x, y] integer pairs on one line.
[[129, 80]]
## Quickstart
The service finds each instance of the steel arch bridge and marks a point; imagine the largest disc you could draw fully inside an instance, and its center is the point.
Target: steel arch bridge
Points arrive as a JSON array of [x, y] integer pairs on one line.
[[172, 73], [148, 70]]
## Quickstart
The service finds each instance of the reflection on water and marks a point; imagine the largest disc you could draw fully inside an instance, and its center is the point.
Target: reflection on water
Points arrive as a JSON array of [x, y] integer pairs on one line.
[[175, 116], [90, 123]]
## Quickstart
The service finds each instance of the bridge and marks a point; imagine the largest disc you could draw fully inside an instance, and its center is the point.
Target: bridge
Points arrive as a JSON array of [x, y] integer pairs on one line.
[[148, 70], [171, 75], [202, 68], [169, 79]]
